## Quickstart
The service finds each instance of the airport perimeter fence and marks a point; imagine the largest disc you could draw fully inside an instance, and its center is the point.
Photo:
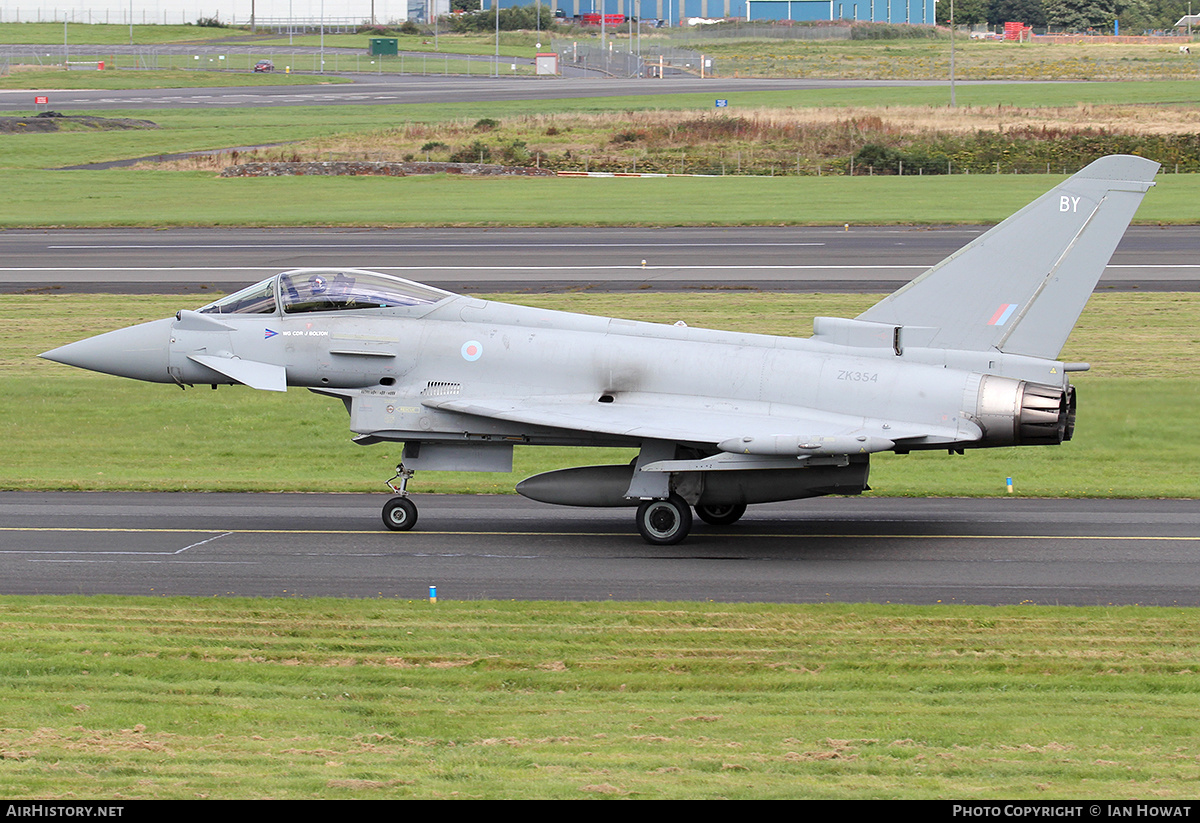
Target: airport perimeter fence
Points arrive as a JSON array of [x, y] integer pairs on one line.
[[943, 167], [639, 151], [118, 16], [243, 59], [621, 58], [635, 151], [745, 164], [673, 163]]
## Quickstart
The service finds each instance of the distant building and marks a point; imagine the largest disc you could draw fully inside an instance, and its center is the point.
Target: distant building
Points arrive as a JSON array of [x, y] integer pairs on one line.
[[422, 11], [920, 12]]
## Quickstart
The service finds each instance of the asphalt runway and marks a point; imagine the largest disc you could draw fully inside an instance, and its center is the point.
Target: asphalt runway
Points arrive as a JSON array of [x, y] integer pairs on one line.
[[796, 259], [992, 552]]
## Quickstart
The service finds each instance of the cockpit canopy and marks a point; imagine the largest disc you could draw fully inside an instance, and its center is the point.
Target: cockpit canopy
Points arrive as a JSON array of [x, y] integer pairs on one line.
[[311, 290]]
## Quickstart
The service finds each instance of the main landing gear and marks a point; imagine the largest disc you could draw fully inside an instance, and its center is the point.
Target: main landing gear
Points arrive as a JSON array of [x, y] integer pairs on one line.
[[665, 522], [400, 513], [721, 515]]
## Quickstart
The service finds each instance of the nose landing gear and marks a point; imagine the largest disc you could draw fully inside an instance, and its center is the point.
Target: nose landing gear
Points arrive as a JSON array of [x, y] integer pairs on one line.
[[400, 513]]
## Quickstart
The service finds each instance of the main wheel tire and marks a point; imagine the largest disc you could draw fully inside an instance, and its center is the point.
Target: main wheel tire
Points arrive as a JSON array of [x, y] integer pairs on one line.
[[718, 515], [399, 514], [664, 522]]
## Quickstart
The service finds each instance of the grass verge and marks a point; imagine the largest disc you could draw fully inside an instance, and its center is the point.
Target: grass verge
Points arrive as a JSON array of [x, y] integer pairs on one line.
[[156, 198], [123, 698], [218, 69], [930, 59], [55, 79]]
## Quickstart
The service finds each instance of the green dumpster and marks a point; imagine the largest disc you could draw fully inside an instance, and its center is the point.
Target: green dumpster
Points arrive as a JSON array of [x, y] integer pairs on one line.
[[383, 45]]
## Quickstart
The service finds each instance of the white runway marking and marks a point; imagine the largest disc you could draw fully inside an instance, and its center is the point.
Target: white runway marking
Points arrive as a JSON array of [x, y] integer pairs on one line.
[[103, 552]]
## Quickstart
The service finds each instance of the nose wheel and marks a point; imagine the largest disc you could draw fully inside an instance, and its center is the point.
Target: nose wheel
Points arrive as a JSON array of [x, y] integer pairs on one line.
[[400, 513]]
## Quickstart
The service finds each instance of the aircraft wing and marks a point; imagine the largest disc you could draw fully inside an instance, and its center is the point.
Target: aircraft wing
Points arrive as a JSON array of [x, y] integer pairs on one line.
[[741, 427]]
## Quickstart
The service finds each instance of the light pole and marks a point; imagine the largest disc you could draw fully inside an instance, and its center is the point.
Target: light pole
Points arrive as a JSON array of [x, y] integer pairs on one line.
[[952, 105], [603, 33]]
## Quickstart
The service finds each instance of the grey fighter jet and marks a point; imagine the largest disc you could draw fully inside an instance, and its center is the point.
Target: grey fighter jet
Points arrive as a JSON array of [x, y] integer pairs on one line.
[[962, 357]]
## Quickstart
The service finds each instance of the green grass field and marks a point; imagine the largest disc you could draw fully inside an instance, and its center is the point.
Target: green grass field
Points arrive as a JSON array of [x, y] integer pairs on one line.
[[125, 698], [102, 34], [155, 198], [928, 59]]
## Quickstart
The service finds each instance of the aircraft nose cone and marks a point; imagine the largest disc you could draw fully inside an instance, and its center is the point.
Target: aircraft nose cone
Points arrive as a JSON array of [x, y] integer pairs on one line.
[[140, 352]]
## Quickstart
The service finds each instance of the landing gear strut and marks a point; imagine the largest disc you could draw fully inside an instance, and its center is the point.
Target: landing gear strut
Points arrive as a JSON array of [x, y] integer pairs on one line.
[[400, 513]]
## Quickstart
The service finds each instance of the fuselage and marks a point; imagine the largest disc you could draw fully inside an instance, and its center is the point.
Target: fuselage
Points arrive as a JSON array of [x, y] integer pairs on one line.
[[394, 357]]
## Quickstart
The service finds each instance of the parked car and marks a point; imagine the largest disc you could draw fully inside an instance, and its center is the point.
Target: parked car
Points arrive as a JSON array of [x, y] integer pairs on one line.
[[264, 65]]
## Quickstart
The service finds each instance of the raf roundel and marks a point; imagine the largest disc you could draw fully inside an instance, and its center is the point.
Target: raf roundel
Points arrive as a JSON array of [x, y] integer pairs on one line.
[[472, 350]]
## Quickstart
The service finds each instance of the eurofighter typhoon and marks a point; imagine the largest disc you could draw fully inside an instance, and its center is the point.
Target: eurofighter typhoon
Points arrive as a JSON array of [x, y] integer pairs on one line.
[[963, 357]]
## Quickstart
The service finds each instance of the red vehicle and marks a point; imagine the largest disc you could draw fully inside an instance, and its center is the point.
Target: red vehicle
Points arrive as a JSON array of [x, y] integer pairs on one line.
[[594, 19]]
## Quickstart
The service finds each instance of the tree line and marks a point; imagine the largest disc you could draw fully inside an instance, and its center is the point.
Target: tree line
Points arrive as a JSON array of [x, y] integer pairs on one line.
[[1135, 16]]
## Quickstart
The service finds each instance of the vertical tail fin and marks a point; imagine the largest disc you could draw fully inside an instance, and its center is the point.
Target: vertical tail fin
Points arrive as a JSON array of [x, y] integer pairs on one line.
[[1020, 287]]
